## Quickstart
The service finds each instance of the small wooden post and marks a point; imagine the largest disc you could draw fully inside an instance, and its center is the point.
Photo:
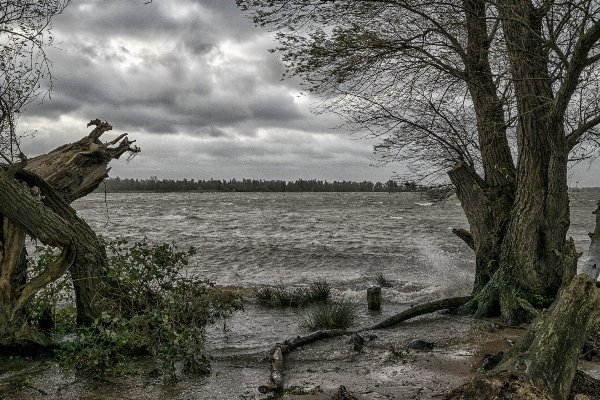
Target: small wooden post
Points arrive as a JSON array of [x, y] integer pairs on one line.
[[374, 298]]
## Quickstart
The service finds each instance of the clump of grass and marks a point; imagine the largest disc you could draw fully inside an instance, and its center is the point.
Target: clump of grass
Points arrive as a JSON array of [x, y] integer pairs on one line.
[[338, 315], [290, 297], [284, 296], [319, 291], [265, 295], [383, 281]]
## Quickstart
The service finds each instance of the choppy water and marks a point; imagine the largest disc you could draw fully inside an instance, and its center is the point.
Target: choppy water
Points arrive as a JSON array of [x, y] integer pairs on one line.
[[250, 239]]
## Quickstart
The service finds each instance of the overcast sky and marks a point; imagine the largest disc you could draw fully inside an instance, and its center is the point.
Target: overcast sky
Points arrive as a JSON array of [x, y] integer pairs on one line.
[[193, 83]]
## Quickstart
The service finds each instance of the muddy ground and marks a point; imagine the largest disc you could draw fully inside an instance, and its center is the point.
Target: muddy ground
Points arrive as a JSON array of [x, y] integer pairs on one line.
[[385, 369]]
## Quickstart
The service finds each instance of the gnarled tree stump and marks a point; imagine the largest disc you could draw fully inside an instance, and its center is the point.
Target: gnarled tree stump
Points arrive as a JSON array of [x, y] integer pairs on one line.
[[543, 362]]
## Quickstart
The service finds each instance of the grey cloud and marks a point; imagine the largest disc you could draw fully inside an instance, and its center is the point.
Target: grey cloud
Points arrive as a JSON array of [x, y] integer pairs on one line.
[[193, 82]]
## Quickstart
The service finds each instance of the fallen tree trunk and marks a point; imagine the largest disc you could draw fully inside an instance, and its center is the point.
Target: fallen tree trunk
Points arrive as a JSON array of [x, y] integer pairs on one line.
[[30, 204], [544, 360], [276, 379], [420, 309]]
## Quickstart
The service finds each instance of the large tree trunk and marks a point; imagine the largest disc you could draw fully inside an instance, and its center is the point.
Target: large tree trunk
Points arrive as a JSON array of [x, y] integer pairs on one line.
[[31, 205], [518, 217]]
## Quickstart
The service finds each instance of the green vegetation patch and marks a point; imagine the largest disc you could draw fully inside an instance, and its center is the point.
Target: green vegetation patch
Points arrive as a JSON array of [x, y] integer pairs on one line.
[[154, 306]]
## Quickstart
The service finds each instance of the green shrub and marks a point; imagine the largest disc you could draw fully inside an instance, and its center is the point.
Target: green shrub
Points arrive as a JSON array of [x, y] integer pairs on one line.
[[338, 315], [153, 306]]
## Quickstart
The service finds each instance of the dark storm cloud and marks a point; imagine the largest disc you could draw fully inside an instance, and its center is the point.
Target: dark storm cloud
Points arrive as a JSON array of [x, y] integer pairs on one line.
[[193, 82]]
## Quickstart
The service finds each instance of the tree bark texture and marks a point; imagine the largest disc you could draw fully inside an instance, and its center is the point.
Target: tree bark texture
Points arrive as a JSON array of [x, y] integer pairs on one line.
[[30, 205], [591, 266], [276, 378], [23, 213], [543, 362], [518, 216]]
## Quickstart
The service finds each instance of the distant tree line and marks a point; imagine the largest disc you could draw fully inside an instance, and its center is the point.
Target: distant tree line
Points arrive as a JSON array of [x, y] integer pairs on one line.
[[116, 185]]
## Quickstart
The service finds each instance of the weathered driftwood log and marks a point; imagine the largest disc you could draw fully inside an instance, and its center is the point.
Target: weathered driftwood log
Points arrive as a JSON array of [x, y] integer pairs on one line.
[[276, 355], [300, 341], [591, 266], [415, 311], [276, 378], [420, 309], [544, 360]]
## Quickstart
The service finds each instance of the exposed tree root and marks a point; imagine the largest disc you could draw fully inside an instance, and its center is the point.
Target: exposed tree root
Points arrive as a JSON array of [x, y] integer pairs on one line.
[[543, 362], [505, 385], [503, 296]]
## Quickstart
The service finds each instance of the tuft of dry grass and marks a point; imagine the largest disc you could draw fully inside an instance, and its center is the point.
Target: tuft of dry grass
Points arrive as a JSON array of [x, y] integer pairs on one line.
[[338, 315]]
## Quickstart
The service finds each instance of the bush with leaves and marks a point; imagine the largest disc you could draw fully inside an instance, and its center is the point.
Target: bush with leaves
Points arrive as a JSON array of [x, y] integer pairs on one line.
[[154, 305]]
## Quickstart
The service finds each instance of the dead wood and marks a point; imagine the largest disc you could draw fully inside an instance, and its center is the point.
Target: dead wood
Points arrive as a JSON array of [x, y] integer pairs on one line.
[[276, 378], [34, 197], [73, 171], [76, 169], [276, 353], [300, 341], [420, 309]]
